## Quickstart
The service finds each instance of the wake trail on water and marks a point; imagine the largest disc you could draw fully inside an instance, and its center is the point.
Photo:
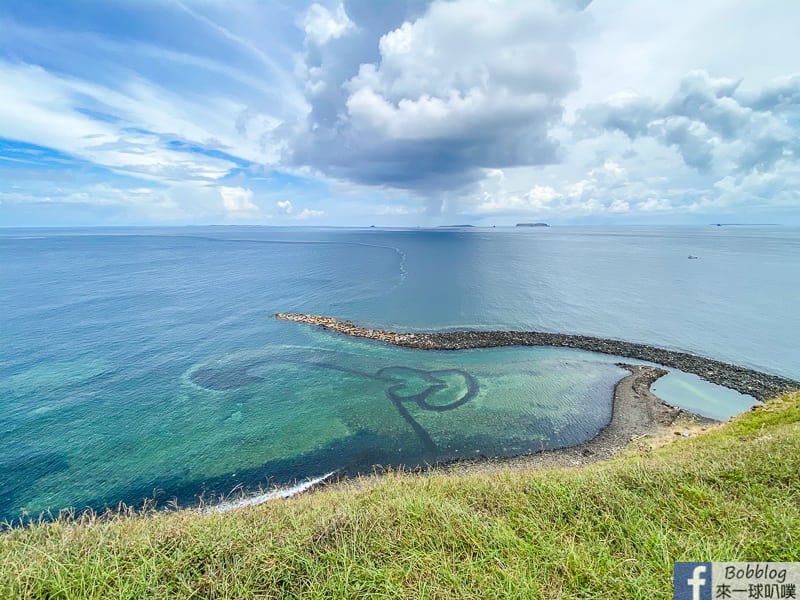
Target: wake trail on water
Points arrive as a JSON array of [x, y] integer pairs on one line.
[[402, 256]]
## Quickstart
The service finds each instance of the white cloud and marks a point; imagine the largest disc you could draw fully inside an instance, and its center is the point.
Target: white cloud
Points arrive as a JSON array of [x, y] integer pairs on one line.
[[460, 107], [398, 210], [619, 206], [537, 199], [180, 203], [140, 126], [651, 45], [705, 120], [309, 213], [237, 200], [321, 25], [655, 205], [95, 195], [434, 110], [609, 172]]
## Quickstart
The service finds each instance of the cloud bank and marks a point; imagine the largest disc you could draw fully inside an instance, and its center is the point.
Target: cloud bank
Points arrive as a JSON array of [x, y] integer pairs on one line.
[[407, 112], [431, 97]]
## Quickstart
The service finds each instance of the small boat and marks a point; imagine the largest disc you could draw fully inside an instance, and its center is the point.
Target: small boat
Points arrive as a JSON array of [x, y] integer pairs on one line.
[[693, 257]]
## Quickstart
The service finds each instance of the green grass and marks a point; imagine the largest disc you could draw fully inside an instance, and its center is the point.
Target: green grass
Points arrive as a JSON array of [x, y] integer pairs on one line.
[[611, 530]]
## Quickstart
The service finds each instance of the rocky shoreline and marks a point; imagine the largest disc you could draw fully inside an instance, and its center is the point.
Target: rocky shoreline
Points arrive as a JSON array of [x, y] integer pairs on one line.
[[761, 386], [638, 417]]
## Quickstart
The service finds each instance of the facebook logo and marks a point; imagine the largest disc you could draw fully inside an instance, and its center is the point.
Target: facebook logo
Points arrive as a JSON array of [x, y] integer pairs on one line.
[[692, 581]]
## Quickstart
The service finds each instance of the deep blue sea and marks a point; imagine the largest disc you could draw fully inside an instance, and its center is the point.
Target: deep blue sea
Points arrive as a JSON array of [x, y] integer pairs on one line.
[[145, 363]]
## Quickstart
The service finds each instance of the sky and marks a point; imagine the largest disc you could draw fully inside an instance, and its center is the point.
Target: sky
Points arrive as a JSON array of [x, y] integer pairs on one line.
[[399, 113]]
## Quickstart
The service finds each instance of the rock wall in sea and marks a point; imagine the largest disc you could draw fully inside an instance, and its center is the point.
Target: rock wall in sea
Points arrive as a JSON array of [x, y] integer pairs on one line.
[[746, 381]]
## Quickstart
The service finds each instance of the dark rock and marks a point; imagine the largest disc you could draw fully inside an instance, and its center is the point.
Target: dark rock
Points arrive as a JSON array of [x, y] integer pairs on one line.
[[746, 381]]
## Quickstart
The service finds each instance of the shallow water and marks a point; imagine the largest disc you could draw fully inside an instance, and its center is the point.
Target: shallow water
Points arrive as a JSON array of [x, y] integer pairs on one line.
[[141, 362]]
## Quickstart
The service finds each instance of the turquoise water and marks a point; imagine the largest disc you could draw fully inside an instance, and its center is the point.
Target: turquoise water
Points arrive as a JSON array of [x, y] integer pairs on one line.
[[140, 363]]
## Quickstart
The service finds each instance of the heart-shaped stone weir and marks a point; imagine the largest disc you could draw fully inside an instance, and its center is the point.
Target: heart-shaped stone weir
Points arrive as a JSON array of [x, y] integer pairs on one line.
[[437, 390]]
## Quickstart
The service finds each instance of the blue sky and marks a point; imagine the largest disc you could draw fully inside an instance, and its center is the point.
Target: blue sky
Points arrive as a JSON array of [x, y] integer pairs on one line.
[[398, 113]]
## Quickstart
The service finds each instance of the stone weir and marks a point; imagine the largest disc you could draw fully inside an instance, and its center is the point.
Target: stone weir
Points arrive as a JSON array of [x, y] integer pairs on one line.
[[746, 381]]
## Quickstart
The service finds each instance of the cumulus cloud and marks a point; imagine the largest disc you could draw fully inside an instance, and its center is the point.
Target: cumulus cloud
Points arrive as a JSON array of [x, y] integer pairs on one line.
[[626, 112], [285, 206], [321, 25], [287, 209], [693, 140], [779, 95], [710, 101], [445, 91], [445, 109], [655, 205], [604, 189], [237, 200], [310, 213], [707, 120]]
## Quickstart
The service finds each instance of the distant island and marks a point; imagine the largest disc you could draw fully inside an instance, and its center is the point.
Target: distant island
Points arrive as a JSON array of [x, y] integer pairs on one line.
[[532, 225], [454, 226]]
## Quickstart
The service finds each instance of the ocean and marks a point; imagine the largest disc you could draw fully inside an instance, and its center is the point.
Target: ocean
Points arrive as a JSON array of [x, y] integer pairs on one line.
[[145, 362]]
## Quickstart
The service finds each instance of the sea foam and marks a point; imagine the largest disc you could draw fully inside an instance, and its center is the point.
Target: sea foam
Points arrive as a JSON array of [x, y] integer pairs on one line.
[[276, 494]]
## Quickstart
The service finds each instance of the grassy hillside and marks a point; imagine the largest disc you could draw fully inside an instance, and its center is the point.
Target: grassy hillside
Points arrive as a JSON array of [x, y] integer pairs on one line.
[[611, 530]]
